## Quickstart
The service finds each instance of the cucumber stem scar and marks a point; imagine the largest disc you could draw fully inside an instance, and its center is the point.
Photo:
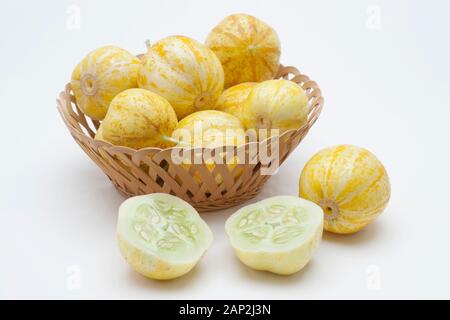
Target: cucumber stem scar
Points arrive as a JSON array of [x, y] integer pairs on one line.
[[330, 209], [176, 141], [202, 100], [88, 84], [148, 44], [263, 123]]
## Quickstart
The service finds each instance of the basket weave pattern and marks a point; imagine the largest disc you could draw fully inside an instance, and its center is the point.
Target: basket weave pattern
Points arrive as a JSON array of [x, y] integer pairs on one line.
[[149, 170]]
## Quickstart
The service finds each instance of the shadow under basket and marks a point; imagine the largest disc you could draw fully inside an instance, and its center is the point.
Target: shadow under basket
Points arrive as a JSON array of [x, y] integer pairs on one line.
[[207, 187]]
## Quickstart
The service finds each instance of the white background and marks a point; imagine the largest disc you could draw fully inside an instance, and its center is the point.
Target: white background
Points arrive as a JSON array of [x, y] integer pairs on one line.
[[384, 71]]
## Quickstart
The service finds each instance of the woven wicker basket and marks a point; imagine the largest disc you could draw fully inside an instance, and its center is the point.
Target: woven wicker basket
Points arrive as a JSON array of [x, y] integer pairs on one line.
[[149, 170]]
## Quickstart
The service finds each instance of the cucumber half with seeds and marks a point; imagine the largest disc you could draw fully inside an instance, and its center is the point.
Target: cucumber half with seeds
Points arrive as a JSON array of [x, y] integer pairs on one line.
[[278, 234], [161, 236]]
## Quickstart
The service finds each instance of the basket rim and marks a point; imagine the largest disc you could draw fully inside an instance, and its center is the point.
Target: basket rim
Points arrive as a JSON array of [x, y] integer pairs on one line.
[[283, 72]]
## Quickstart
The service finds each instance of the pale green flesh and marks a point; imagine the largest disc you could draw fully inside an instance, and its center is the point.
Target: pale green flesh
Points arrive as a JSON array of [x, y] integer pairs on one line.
[[165, 226], [275, 224]]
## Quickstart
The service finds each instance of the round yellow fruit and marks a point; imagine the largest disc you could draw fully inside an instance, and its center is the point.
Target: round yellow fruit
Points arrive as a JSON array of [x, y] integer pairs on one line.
[[100, 76], [278, 234], [185, 72], [138, 118], [248, 48], [210, 129], [161, 236], [349, 183], [231, 99], [275, 104]]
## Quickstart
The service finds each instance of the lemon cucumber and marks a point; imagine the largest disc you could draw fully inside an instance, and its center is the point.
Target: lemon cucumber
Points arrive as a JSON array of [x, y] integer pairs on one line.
[[161, 236], [278, 234]]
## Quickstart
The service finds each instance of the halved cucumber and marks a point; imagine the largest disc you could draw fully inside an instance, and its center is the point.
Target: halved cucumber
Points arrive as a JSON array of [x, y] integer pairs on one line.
[[278, 234], [161, 236]]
